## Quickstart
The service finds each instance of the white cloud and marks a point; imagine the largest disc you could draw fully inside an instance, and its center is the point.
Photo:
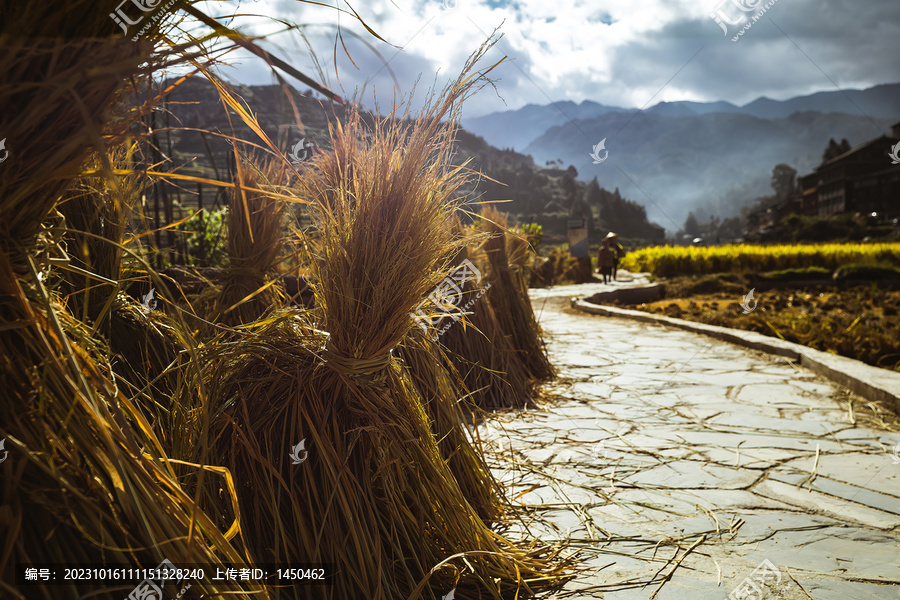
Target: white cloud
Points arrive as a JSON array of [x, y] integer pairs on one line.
[[619, 52]]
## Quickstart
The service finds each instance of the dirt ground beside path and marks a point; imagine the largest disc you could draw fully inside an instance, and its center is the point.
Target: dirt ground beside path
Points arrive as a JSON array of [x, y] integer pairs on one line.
[[860, 322]]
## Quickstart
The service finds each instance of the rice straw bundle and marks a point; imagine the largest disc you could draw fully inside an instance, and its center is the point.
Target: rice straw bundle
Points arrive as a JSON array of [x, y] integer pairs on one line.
[[509, 297], [484, 355], [520, 255], [255, 244], [96, 212], [374, 497], [519, 251], [85, 479], [144, 345], [442, 392]]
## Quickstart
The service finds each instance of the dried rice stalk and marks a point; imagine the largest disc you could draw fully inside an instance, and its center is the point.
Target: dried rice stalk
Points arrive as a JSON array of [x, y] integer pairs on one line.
[[485, 356], [374, 496], [255, 244], [444, 397], [86, 480], [509, 297]]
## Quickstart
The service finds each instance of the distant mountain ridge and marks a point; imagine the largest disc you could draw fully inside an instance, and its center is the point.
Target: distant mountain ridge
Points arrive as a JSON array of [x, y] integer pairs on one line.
[[530, 193], [516, 129], [710, 158]]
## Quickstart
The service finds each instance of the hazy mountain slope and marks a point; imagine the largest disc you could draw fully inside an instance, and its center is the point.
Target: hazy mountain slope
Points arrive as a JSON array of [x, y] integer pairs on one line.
[[517, 128], [716, 160], [879, 102], [524, 189]]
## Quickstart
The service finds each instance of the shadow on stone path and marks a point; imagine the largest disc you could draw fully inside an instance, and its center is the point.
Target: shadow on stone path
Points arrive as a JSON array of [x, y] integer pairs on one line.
[[657, 445]]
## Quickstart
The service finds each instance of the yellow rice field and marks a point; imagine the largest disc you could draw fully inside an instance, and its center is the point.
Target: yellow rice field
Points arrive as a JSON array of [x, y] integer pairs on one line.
[[666, 261]]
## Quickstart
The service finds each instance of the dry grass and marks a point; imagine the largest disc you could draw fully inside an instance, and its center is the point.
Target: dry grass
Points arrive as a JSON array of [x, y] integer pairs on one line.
[[256, 221], [109, 473], [446, 401], [375, 497], [86, 479], [485, 356], [509, 298]]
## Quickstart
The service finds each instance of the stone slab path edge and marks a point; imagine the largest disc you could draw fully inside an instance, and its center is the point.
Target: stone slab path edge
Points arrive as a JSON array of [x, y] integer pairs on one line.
[[869, 382]]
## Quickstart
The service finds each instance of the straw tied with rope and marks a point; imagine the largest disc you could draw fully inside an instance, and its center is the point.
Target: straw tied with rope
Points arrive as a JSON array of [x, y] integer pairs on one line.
[[380, 498], [352, 366]]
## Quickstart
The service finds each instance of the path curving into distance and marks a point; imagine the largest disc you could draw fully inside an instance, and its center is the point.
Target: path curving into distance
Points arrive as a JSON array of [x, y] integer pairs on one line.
[[672, 459]]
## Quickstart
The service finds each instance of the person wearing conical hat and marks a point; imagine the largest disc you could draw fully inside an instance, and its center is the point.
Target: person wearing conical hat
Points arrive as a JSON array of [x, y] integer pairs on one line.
[[612, 239], [605, 259]]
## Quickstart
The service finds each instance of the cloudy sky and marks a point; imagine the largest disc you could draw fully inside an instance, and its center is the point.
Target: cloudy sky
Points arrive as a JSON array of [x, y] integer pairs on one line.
[[630, 53]]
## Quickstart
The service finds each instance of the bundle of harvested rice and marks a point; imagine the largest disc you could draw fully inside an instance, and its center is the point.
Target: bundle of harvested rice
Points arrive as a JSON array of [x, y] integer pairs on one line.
[[144, 344], [84, 479], [509, 297], [484, 354], [552, 269], [255, 242], [96, 211], [518, 250], [365, 488], [444, 397]]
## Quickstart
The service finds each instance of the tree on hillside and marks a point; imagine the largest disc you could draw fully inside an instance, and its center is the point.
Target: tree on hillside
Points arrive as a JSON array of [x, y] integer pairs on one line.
[[731, 228], [568, 183], [580, 209], [594, 195], [783, 181], [834, 149]]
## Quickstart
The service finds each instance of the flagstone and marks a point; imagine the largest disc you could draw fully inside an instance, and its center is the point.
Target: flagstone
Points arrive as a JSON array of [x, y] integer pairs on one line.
[[709, 434], [846, 590], [827, 504], [761, 423], [695, 474]]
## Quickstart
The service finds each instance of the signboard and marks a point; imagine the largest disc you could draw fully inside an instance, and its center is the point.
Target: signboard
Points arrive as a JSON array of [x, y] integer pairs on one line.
[[578, 238]]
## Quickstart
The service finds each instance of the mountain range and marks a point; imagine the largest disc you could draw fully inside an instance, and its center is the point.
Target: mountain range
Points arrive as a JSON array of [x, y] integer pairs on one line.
[[195, 129], [671, 159], [712, 158]]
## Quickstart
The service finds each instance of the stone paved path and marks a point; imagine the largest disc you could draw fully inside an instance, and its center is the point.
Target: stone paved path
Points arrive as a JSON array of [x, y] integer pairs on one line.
[[658, 445]]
